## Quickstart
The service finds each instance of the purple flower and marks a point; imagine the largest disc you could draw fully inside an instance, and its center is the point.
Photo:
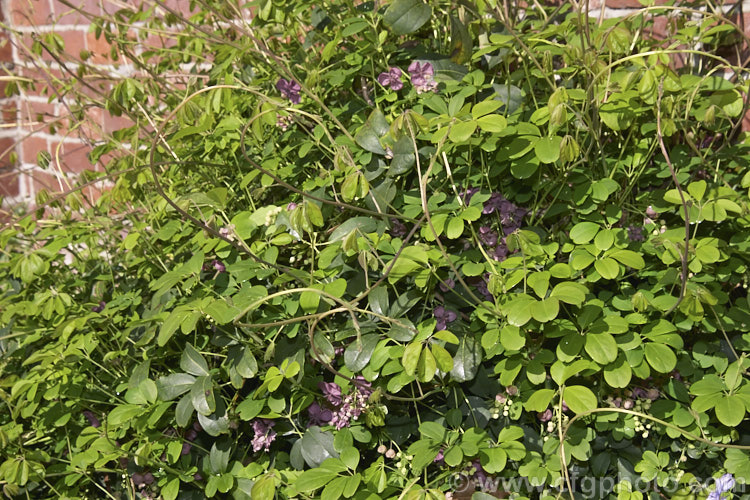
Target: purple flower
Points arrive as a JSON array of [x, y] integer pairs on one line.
[[635, 233], [264, 436], [640, 393], [546, 416], [363, 385], [724, 484], [501, 252], [100, 307], [446, 285], [481, 286], [291, 206], [439, 458], [391, 78], [186, 447], [398, 228], [494, 203], [218, 266], [318, 415], [421, 77], [93, 421], [289, 89], [466, 195], [479, 473], [283, 122], [443, 317], [332, 392], [487, 236]]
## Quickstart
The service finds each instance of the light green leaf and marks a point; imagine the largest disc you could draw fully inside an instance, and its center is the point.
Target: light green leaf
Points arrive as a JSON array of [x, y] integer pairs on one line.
[[547, 149], [583, 232], [455, 228], [462, 131], [607, 268], [570, 292], [602, 347], [410, 359], [579, 398], [697, 189], [539, 400], [545, 310], [492, 123], [628, 258], [618, 373], [730, 410], [660, 357]]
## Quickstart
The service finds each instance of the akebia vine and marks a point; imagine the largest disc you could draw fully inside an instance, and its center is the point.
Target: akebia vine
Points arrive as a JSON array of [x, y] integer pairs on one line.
[[393, 250]]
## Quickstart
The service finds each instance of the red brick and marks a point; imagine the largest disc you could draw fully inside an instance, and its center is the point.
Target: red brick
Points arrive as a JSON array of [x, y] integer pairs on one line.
[[9, 182], [112, 123], [30, 12], [45, 180], [73, 39], [91, 125], [6, 49], [66, 15], [30, 148], [73, 158], [8, 110], [112, 6], [32, 114], [623, 4], [99, 48], [7, 146]]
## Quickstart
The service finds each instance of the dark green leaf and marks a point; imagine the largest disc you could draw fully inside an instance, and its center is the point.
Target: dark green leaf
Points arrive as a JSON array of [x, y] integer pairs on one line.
[[467, 359], [359, 352], [406, 16]]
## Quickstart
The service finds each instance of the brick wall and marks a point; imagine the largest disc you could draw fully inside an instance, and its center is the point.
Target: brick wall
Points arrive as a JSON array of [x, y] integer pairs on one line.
[[40, 122], [33, 125]]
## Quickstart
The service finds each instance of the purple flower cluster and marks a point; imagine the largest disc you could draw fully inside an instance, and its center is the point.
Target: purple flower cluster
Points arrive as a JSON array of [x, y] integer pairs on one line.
[[724, 484], [100, 307], [641, 393], [443, 317], [264, 436], [391, 78], [510, 214], [344, 408], [143, 480], [510, 220], [481, 286], [216, 265], [289, 89], [635, 233], [546, 416], [421, 76], [398, 228], [93, 421]]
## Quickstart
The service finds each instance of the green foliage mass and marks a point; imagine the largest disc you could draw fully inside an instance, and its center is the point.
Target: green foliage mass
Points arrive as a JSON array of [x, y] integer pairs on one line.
[[521, 258]]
